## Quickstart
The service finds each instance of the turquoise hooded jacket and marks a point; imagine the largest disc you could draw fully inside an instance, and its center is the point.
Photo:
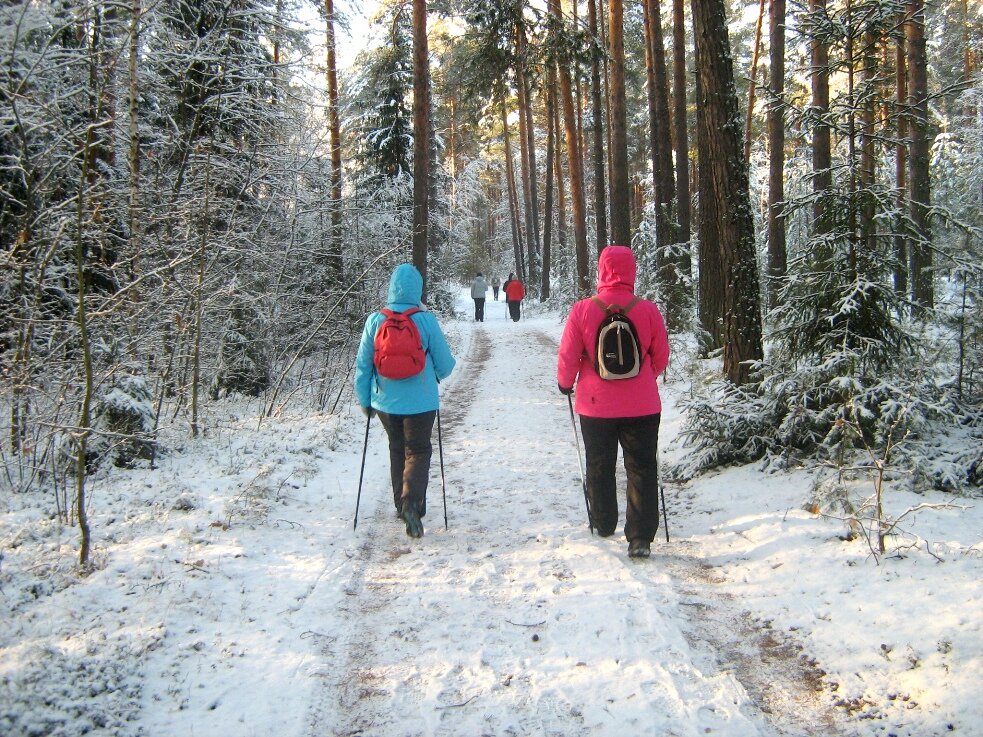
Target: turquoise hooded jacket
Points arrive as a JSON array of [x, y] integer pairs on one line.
[[417, 393]]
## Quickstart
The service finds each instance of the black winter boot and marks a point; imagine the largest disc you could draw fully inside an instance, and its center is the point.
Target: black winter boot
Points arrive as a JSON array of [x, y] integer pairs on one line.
[[414, 528]]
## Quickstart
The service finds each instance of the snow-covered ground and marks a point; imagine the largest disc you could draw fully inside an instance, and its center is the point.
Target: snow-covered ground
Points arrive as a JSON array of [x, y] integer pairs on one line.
[[232, 596]]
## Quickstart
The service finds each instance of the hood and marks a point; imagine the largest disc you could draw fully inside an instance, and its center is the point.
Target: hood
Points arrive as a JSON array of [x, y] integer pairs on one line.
[[616, 268], [405, 286]]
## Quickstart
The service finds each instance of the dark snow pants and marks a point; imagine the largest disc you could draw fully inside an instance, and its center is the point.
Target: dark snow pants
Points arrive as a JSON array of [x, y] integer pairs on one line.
[[479, 309], [639, 440], [514, 310], [410, 450]]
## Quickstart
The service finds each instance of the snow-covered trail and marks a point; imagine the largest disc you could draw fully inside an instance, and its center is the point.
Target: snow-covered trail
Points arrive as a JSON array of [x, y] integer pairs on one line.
[[515, 620]]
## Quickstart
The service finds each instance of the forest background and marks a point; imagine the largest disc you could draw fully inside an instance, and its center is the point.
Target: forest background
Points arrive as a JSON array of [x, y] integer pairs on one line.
[[197, 201]]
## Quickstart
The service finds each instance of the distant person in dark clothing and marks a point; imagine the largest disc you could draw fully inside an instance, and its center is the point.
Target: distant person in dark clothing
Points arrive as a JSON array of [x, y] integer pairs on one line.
[[514, 293], [479, 288], [496, 283]]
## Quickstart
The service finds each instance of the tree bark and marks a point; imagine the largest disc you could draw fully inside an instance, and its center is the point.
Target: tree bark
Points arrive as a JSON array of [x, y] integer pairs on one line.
[[528, 150], [663, 185], [724, 186], [620, 196], [822, 175], [512, 194], [680, 130], [919, 183], [777, 253], [753, 81], [334, 128], [574, 162], [544, 287], [597, 112], [901, 169], [421, 132], [134, 138]]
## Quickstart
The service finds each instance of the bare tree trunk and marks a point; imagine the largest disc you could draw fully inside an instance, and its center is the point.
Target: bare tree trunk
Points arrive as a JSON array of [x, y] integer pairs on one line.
[[597, 112], [544, 288], [727, 189], [512, 194], [620, 202], [919, 182], [334, 128], [528, 148], [680, 130], [901, 169], [663, 185], [822, 175], [777, 254], [576, 185], [868, 163], [421, 138], [752, 87], [561, 197], [134, 138]]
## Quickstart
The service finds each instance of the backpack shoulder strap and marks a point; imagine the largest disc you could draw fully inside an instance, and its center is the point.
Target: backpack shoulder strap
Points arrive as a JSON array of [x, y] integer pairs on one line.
[[613, 308], [599, 303]]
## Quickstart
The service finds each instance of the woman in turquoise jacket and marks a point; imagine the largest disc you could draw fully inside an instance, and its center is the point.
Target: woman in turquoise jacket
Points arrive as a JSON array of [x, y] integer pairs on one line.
[[406, 407]]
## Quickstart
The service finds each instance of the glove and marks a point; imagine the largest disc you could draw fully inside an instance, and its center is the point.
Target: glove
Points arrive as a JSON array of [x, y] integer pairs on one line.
[[565, 390], [368, 412]]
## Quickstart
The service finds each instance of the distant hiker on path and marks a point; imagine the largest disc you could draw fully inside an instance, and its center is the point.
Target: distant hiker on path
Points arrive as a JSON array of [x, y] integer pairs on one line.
[[514, 292], [407, 406], [623, 408], [479, 288], [496, 283]]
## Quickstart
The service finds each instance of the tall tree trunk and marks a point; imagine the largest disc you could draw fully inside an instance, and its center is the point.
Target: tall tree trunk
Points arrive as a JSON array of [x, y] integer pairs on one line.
[[901, 169], [597, 113], [868, 81], [561, 197], [512, 194], [822, 175], [620, 202], [919, 183], [574, 162], [528, 151], [727, 189], [334, 132], [673, 296], [680, 130], [421, 147], [544, 287], [133, 158], [752, 87], [777, 254]]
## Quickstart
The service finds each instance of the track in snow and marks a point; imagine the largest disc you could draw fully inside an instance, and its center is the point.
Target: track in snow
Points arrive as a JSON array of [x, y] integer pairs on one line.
[[515, 621]]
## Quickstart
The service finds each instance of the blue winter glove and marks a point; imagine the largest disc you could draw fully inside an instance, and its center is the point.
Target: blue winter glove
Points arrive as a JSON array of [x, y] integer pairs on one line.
[[565, 390]]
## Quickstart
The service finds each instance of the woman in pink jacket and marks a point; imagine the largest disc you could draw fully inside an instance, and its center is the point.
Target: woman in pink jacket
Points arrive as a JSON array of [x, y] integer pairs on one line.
[[617, 411]]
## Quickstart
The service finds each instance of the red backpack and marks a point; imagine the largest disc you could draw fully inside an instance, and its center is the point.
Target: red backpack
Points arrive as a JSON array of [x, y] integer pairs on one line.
[[399, 351]]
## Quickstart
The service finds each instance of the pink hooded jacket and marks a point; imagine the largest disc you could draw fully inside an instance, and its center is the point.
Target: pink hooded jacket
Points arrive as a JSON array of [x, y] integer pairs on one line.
[[597, 397]]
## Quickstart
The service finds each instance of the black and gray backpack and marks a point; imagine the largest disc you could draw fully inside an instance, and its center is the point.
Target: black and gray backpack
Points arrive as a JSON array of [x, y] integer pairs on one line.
[[618, 353]]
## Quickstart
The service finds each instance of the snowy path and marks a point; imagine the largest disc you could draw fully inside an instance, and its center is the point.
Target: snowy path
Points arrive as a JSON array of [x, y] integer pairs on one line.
[[515, 621]]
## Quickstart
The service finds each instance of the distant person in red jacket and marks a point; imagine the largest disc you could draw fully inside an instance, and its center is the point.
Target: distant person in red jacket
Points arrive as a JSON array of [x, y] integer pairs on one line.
[[617, 410], [514, 292]]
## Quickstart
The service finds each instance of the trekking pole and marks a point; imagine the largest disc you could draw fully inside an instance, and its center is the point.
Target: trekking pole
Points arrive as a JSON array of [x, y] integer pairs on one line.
[[580, 464], [365, 447], [661, 491], [440, 451]]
